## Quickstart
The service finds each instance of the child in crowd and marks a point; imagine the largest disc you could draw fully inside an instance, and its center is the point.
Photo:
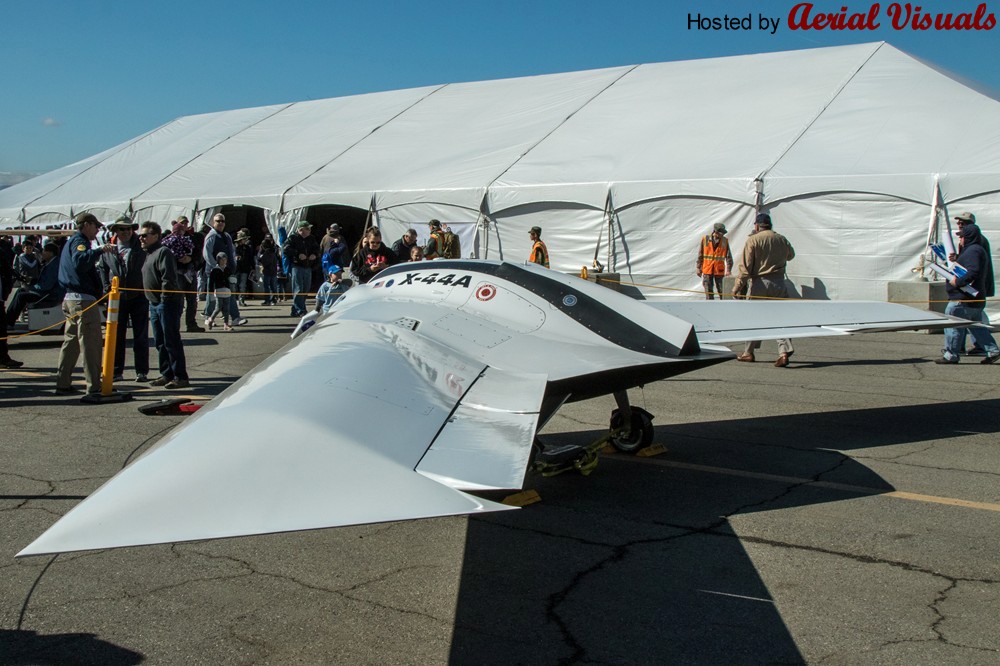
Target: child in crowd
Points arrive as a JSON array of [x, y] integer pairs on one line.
[[219, 284], [332, 289]]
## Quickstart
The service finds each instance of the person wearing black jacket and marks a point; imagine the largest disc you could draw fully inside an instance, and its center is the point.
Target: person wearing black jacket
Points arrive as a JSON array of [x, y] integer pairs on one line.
[[246, 264], [372, 258], [188, 268], [302, 251], [971, 256], [159, 279], [7, 257], [125, 263], [267, 259], [45, 291], [5, 360]]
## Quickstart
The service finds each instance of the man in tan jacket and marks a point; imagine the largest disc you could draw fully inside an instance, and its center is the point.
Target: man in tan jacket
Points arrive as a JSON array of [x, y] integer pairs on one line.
[[762, 275]]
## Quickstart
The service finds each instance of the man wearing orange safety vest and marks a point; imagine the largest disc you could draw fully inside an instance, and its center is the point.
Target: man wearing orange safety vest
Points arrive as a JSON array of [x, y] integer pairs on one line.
[[539, 253], [715, 260]]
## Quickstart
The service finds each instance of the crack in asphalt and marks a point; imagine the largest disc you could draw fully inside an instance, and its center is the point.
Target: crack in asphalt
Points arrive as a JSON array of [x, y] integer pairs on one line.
[[619, 551], [159, 433], [259, 647], [344, 592], [896, 461]]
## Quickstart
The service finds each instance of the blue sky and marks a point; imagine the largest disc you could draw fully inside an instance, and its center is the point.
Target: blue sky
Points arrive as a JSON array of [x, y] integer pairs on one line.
[[80, 77]]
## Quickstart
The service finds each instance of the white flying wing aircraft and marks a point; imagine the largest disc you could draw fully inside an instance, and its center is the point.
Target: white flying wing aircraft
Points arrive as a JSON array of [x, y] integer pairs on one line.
[[428, 382]]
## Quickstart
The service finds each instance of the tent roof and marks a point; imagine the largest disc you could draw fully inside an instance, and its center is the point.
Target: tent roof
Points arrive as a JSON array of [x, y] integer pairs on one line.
[[866, 117]]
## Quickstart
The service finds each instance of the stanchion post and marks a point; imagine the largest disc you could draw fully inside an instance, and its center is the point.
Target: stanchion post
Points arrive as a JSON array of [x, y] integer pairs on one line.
[[110, 338]]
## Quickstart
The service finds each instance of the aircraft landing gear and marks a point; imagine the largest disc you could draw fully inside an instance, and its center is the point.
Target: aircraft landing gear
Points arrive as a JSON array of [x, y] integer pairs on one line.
[[631, 427], [552, 460], [631, 430]]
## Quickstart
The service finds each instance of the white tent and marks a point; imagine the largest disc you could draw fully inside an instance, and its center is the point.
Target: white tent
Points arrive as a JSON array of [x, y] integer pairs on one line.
[[859, 152]]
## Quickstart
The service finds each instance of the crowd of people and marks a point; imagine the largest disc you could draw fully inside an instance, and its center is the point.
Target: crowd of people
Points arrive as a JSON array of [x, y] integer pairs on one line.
[[762, 271], [166, 275]]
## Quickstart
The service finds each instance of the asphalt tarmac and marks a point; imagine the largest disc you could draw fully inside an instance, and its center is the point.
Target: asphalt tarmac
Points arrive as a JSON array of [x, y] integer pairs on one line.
[[843, 510]]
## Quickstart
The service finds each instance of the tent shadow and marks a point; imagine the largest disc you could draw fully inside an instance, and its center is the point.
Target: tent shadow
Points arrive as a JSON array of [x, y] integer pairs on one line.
[[638, 562], [30, 647]]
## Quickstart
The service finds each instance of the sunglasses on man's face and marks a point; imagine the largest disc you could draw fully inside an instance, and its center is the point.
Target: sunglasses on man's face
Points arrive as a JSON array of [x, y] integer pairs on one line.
[[148, 233]]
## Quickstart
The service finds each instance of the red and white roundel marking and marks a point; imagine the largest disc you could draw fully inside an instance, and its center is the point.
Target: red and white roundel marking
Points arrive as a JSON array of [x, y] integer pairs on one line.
[[486, 292]]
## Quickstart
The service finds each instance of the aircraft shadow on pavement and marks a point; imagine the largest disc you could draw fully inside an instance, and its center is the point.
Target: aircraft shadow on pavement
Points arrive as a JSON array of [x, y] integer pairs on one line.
[[638, 562], [624, 566], [29, 647]]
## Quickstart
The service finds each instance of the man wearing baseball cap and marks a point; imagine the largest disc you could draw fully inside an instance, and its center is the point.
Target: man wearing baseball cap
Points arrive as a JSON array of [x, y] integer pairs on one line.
[[78, 275], [715, 260], [972, 256], [539, 252], [962, 220], [125, 263], [762, 275], [302, 251]]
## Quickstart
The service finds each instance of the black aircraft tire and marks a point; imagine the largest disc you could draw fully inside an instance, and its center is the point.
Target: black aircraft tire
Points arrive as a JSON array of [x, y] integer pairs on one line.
[[641, 435]]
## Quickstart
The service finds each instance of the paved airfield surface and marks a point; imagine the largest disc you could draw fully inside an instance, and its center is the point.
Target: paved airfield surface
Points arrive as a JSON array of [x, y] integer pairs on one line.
[[844, 510]]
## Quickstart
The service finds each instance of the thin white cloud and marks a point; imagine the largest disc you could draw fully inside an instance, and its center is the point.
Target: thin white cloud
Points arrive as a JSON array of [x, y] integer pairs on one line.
[[51, 122]]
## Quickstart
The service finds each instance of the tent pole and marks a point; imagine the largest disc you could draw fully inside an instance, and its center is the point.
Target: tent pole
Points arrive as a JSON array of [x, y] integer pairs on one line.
[[608, 207], [484, 225], [370, 220]]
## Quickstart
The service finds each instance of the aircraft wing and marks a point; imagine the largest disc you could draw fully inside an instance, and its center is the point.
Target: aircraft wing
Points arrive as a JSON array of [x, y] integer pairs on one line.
[[354, 423], [718, 322], [422, 385]]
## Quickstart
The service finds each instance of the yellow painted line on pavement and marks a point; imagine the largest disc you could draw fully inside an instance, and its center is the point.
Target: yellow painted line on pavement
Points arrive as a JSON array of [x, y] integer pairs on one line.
[[778, 478], [950, 501]]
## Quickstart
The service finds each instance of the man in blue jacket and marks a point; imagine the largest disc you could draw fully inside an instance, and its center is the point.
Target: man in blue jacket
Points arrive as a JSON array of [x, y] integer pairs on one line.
[[972, 256], [79, 277]]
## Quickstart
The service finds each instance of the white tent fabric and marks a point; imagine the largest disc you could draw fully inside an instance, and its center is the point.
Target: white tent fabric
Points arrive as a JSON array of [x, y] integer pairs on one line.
[[859, 152]]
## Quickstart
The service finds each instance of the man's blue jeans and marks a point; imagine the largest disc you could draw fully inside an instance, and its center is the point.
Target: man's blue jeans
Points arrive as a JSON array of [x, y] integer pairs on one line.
[[165, 319], [954, 338], [301, 280]]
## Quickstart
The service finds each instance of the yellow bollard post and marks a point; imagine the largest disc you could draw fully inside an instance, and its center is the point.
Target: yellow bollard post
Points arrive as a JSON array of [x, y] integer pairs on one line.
[[108, 394], [110, 339]]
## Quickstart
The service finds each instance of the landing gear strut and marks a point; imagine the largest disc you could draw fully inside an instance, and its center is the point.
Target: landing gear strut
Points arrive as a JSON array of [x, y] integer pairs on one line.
[[631, 430], [631, 427]]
